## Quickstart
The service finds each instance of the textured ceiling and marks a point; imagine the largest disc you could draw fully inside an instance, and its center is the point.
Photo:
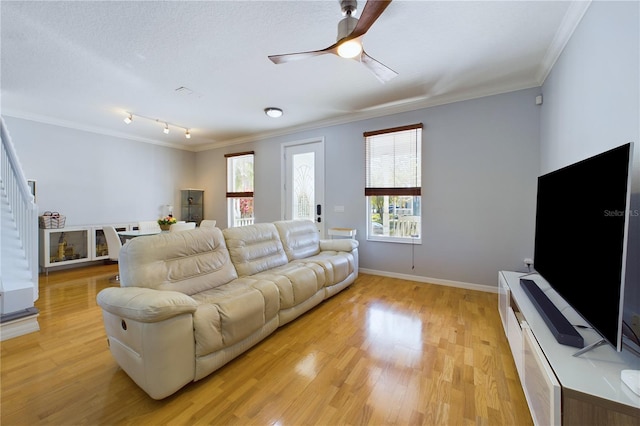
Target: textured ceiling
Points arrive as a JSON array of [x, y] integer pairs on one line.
[[82, 64]]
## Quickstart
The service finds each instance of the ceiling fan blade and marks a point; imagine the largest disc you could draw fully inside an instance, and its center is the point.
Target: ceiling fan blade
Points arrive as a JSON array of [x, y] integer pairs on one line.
[[290, 57], [371, 12], [381, 71]]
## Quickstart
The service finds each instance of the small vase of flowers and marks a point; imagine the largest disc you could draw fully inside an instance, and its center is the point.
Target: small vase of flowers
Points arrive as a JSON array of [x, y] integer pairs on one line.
[[166, 222]]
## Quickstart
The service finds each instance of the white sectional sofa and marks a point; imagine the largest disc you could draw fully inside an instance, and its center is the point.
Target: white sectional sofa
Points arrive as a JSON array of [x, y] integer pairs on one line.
[[191, 301]]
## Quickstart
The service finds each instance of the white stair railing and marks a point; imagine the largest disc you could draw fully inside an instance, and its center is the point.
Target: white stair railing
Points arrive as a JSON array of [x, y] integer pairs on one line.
[[21, 203], [242, 221]]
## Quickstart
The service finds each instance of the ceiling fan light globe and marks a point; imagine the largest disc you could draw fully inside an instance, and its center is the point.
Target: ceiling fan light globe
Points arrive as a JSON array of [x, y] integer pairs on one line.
[[350, 49]]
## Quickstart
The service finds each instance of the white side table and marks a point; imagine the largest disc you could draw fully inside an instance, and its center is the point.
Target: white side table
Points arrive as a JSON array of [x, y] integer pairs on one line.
[[342, 232]]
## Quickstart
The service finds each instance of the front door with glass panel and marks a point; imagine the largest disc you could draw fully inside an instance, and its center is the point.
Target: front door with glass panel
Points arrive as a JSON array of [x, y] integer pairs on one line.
[[304, 182]]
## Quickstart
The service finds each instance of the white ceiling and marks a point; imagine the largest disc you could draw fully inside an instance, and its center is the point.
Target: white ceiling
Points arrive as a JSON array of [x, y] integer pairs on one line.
[[82, 64]]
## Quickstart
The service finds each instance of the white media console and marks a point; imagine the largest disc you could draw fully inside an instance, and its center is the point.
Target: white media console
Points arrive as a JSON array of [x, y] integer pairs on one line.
[[561, 388]]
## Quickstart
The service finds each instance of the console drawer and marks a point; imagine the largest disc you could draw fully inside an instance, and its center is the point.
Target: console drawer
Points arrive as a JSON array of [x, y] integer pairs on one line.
[[514, 335], [504, 294], [541, 387]]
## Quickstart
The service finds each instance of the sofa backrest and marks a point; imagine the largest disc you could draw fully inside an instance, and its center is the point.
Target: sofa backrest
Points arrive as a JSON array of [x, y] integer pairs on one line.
[[300, 238], [255, 248], [188, 262]]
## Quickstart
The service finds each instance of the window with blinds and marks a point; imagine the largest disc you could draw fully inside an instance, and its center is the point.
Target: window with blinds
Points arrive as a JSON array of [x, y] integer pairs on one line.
[[393, 183], [240, 188]]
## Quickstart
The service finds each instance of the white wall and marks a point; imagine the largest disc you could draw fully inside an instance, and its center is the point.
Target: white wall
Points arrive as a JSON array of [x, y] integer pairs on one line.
[[98, 179], [480, 163], [592, 104]]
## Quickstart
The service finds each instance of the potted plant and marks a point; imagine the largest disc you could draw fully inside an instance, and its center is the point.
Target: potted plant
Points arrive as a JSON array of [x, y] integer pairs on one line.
[[166, 222]]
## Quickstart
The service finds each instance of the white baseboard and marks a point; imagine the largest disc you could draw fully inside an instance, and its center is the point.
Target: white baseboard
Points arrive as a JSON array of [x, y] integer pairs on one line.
[[438, 281], [19, 327]]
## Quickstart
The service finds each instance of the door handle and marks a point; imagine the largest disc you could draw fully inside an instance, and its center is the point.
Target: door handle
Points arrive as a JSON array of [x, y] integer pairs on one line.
[[318, 209]]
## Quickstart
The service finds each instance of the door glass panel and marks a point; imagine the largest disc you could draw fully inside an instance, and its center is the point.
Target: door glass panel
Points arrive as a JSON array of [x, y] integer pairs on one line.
[[303, 186]]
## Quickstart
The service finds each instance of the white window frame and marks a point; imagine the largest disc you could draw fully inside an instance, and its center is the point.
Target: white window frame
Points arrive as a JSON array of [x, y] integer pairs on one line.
[[394, 184], [234, 196]]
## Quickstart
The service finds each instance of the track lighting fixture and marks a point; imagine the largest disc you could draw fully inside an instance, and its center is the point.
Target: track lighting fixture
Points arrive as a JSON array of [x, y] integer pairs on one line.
[[129, 118]]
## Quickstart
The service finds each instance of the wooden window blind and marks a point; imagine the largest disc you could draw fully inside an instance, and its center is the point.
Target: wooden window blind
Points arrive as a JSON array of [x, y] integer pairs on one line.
[[393, 161]]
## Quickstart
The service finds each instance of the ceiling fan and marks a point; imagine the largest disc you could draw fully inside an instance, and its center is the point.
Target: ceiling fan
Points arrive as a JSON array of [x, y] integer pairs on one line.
[[349, 41]]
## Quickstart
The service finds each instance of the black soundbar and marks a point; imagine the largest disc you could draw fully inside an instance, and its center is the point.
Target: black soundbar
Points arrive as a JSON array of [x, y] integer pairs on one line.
[[560, 327]]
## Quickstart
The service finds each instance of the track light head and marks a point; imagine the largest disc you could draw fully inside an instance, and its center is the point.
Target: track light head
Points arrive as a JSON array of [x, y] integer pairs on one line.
[[187, 134], [166, 129], [128, 119]]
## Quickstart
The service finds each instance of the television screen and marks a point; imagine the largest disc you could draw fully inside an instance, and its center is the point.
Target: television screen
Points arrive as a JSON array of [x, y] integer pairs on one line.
[[581, 235]]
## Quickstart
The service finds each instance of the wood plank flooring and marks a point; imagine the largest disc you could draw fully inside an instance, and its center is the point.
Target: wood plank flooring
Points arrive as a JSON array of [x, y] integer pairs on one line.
[[383, 352]]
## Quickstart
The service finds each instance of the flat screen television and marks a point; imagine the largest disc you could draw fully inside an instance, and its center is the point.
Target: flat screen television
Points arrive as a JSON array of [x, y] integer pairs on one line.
[[582, 220]]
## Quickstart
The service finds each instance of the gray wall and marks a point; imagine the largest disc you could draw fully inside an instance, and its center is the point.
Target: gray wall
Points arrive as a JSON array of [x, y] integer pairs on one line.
[[98, 179], [592, 104], [480, 163]]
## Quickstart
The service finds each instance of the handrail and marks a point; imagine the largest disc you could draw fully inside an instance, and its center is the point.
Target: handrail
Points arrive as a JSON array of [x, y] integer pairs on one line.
[[21, 180]]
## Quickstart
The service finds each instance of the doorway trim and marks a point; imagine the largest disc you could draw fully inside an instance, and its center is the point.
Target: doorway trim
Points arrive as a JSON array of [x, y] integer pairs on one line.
[[283, 166]]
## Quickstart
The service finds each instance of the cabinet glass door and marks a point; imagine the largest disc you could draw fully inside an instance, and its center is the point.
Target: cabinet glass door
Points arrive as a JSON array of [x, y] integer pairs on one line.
[[100, 248], [65, 245], [191, 205]]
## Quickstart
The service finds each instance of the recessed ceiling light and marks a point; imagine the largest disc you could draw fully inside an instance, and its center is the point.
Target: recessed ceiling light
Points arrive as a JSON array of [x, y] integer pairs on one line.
[[273, 112]]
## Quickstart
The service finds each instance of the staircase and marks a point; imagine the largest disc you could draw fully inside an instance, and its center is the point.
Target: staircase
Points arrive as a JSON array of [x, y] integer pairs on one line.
[[18, 245]]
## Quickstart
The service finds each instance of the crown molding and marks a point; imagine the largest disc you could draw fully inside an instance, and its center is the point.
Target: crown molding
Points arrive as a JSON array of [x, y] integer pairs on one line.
[[569, 23], [91, 129], [373, 112]]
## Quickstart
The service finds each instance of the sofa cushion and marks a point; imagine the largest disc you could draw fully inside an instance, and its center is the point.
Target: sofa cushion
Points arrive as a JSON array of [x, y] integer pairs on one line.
[[296, 282], [255, 248], [229, 313], [337, 265], [300, 238], [188, 261]]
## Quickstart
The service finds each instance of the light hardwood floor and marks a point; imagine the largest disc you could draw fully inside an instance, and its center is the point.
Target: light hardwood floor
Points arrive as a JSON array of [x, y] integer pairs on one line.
[[384, 351]]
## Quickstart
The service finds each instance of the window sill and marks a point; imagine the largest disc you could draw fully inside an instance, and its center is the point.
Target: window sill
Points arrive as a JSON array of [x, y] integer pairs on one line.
[[397, 240]]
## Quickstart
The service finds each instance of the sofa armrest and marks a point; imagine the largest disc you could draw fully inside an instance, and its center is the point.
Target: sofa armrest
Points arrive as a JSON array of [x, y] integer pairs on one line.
[[347, 245], [145, 304]]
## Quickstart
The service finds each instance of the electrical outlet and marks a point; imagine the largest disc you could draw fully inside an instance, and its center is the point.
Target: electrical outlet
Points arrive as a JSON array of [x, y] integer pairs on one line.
[[635, 324]]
